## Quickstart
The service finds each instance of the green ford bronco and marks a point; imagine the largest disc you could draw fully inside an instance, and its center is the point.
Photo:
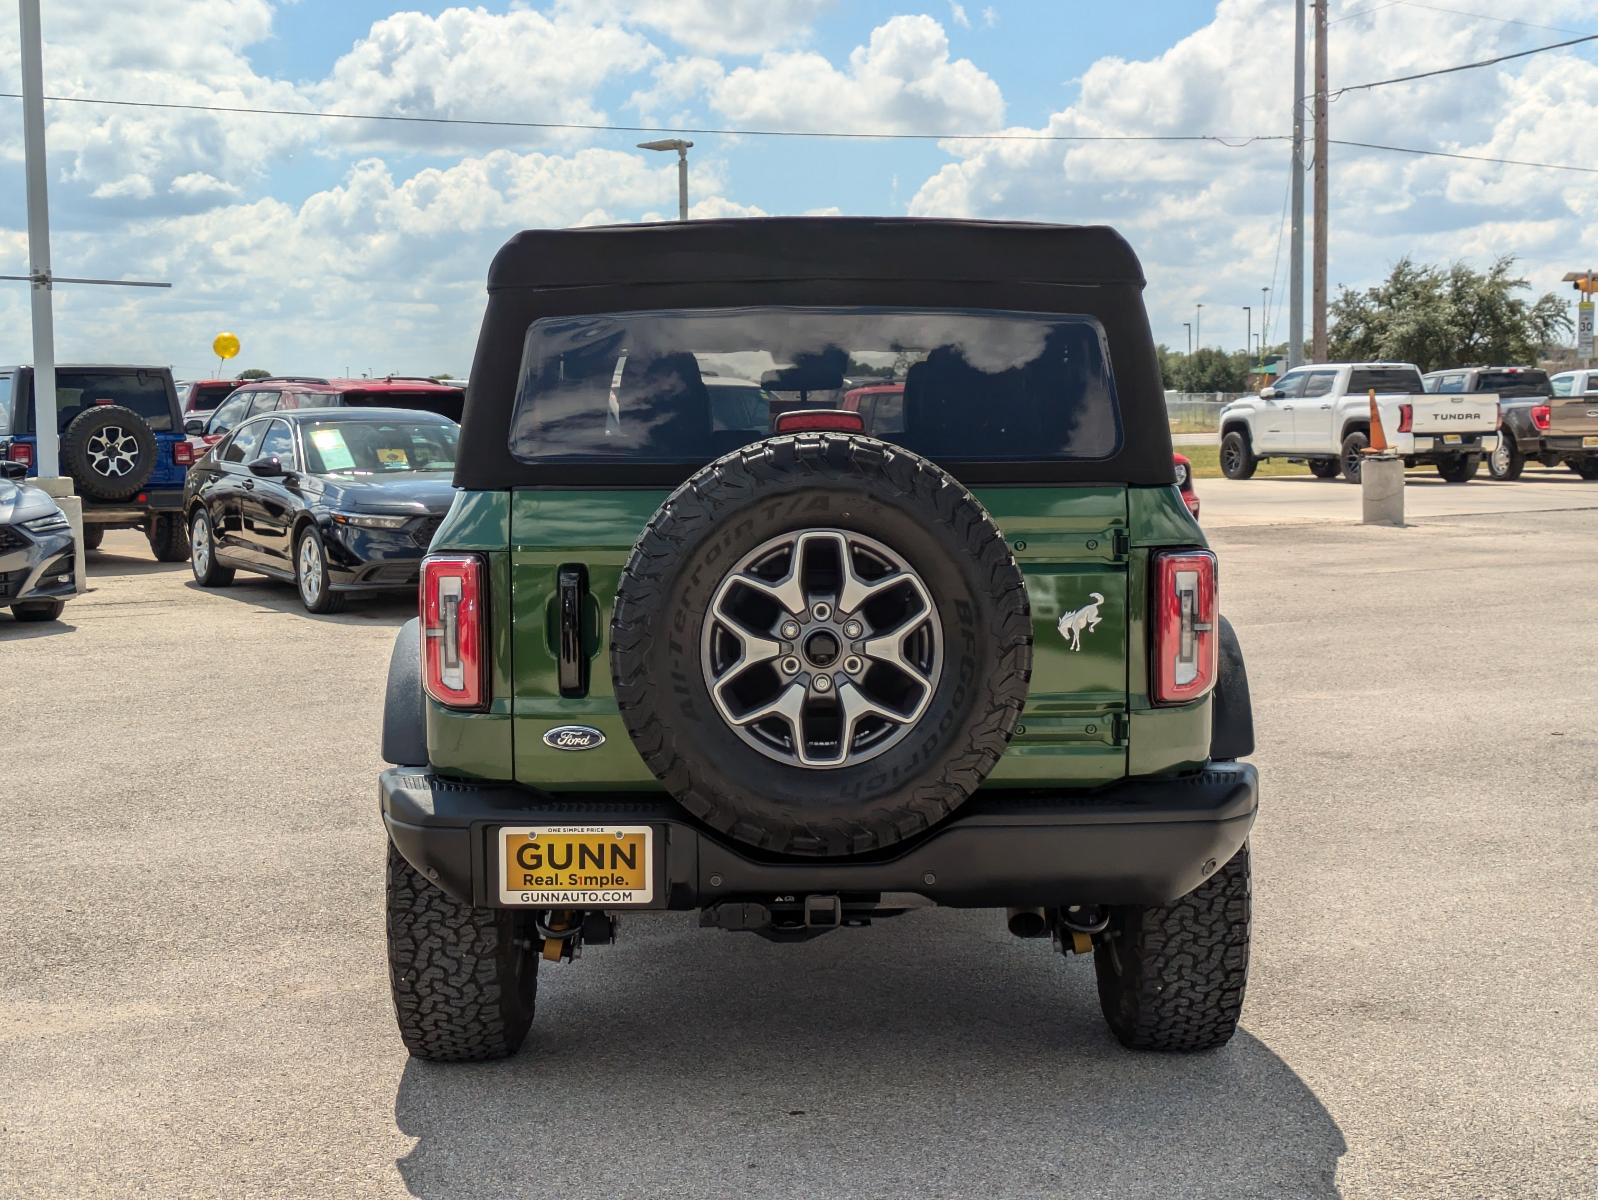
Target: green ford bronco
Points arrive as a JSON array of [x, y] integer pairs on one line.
[[806, 572]]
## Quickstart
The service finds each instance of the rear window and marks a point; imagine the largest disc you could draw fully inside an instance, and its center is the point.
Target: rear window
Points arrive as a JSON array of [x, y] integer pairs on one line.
[[145, 392], [686, 386], [1404, 380], [448, 403], [203, 397], [1515, 383]]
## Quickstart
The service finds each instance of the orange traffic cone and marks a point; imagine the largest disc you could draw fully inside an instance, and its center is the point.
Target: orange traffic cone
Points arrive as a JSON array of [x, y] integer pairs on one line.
[[1378, 434]]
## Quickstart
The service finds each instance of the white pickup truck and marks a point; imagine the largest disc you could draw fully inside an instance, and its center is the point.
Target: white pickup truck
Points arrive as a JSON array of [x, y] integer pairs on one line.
[[1320, 414]]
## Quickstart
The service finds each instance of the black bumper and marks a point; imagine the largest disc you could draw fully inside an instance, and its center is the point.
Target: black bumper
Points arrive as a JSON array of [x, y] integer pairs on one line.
[[1144, 841]]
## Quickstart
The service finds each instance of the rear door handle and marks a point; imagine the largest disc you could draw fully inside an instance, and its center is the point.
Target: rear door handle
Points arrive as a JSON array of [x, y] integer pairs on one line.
[[248, 485], [571, 586]]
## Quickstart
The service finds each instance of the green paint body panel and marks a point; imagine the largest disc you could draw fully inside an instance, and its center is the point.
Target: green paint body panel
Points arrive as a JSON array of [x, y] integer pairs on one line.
[[1088, 720]]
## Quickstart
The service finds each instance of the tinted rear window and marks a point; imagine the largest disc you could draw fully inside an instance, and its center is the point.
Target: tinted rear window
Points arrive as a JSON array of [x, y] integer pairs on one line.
[[446, 403], [1385, 379], [1515, 383], [203, 397], [145, 392], [971, 384]]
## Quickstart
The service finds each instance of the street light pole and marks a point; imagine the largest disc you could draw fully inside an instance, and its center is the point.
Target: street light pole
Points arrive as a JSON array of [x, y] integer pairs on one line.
[[44, 397], [1188, 325], [1198, 319], [1248, 337], [1295, 254], [682, 148]]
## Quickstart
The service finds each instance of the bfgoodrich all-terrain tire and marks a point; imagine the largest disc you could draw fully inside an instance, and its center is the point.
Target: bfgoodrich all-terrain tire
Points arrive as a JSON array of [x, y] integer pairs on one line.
[[109, 451], [464, 978], [1172, 976], [862, 598]]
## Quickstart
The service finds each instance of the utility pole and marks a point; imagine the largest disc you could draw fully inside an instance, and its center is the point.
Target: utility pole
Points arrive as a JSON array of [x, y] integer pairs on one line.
[[44, 397], [1321, 189], [1295, 258], [1198, 319], [1248, 337], [1188, 325]]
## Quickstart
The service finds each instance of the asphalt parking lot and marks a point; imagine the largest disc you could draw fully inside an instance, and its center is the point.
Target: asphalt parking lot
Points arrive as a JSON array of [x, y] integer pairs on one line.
[[193, 999]]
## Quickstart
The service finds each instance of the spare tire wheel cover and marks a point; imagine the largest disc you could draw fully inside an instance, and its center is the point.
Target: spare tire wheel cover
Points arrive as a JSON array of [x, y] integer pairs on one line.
[[109, 451], [821, 644]]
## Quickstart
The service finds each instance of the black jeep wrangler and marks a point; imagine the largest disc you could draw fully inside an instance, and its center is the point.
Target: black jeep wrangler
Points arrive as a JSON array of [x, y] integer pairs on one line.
[[806, 572]]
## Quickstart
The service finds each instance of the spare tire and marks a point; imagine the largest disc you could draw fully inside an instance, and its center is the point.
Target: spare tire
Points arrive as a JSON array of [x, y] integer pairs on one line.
[[109, 451], [821, 644]]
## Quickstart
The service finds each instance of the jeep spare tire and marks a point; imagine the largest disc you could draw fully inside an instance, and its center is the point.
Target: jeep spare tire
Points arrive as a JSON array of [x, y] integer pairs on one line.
[[821, 644], [109, 451]]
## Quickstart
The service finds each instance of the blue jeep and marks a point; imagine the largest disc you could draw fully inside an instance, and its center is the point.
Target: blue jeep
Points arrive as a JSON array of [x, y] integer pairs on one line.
[[122, 443]]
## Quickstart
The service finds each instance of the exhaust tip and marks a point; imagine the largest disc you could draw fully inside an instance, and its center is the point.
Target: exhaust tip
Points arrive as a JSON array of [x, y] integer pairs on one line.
[[1026, 922]]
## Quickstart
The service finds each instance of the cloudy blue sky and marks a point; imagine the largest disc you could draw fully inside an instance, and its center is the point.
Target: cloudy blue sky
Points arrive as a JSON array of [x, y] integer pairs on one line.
[[334, 245]]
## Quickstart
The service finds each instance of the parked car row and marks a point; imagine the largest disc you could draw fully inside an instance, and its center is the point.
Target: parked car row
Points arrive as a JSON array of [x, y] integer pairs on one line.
[[1320, 415], [350, 510]]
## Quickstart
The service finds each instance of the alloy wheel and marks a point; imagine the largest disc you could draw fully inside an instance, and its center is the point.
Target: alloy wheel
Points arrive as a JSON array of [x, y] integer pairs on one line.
[[310, 573], [113, 452], [822, 648]]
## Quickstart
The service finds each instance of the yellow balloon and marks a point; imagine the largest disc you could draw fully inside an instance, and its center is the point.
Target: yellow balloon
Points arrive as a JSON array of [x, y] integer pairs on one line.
[[226, 345]]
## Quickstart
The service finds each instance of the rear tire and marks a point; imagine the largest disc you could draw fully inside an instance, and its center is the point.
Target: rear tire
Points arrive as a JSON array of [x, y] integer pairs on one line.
[[1324, 468], [1237, 456], [1506, 461], [464, 979], [39, 610], [202, 553], [93, 535], [1350, 459], [1460, 469], [1587, 468], [168, 538], [1172, 976]]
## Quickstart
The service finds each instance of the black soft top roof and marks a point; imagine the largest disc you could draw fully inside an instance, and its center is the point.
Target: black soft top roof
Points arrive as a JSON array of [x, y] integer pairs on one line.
[[806, 262], [780, 248]]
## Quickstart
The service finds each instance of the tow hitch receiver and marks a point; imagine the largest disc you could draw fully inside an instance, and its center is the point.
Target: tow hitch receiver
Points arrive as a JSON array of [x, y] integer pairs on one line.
[[795, 918]]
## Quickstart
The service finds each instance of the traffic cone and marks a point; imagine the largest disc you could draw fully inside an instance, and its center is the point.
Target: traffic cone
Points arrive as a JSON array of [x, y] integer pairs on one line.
[[1378, 434]]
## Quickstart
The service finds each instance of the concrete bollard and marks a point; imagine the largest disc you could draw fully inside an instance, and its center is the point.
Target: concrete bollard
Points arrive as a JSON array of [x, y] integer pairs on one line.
[[1381, 484], [60, 490]]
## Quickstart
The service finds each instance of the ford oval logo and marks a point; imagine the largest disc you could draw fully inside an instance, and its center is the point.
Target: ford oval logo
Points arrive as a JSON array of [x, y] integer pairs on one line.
[[573, 737]]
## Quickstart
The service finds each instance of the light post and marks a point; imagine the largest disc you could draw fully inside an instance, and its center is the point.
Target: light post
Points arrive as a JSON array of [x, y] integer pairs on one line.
[[1198, 317], [1188, 325], [682, 148], [1248, 337]]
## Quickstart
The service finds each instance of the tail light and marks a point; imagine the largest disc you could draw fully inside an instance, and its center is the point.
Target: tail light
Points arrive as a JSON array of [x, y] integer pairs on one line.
[[182, 454], [1406, 418], [20, 452], [1541, 415], [1185, 625], [453, 660]]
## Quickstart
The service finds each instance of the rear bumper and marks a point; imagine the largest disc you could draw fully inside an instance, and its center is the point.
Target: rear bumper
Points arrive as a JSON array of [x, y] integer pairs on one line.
[[1144, 841], [1567, 446], [123, 513], [1426, 446]]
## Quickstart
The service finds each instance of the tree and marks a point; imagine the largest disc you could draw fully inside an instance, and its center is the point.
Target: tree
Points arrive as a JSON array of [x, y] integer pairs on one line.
[[1438, 317], [254, 373], [1209, 370]]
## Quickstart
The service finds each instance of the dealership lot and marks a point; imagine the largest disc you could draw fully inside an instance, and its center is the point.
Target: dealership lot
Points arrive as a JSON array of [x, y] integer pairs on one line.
[[192, 990]]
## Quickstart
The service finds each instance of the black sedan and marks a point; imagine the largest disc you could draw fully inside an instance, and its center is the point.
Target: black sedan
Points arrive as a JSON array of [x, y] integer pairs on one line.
[[333, 500], [36, 550]]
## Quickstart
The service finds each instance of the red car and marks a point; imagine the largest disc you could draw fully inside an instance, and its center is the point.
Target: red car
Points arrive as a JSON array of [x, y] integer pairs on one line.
[[256, 396], [1184, 481], [201, 396]]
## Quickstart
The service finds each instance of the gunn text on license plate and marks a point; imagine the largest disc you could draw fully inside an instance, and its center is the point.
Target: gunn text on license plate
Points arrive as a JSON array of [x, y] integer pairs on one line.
[[576, 866]]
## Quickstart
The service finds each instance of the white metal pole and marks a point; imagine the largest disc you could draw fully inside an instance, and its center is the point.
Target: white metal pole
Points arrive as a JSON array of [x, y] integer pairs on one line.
[[1295, 254], [44, 397], [682, 182]]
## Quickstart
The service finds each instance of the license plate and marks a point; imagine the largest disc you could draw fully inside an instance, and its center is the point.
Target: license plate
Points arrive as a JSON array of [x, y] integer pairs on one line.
[[576, 866], [1450, 439], [1590, 442]]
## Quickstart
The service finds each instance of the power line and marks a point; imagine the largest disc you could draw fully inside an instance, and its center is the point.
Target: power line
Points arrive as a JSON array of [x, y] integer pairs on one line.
[[1459, 12], [1471, 66], [1482, 158], [1232, 141]]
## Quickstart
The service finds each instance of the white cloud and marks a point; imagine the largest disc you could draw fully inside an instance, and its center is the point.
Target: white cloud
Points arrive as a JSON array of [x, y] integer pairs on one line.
[[902, 80], [1206, 219], [712, 26], [958, 15], [990, 16]]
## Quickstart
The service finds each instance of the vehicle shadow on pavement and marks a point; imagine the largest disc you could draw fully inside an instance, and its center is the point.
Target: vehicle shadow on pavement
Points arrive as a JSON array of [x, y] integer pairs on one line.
[[106, 562], [386, 608], [930, 1056], [13, 630]]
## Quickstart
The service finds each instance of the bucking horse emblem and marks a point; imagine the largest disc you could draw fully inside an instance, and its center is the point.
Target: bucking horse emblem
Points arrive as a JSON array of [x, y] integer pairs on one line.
[[1084, 620]]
